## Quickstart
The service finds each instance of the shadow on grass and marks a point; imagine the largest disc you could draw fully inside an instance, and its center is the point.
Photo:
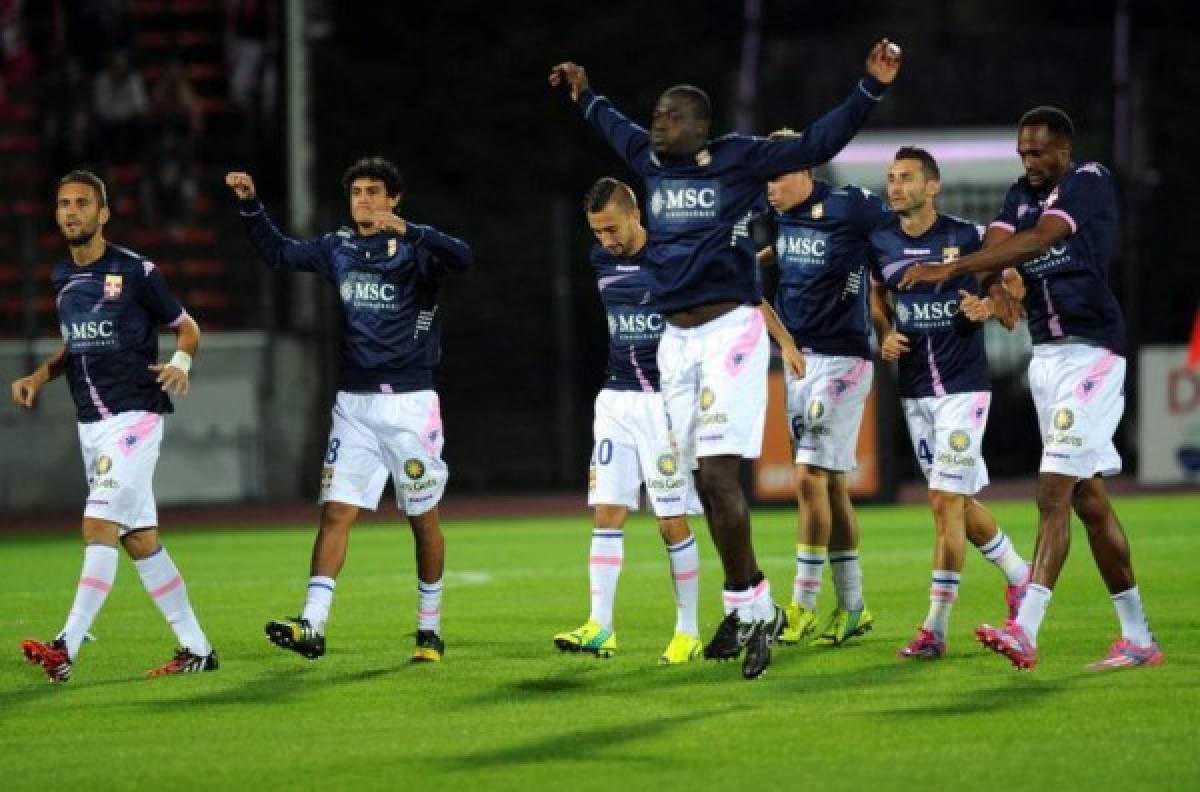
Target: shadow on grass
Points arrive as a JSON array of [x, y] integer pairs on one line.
[[584, 744], [1022, 692]]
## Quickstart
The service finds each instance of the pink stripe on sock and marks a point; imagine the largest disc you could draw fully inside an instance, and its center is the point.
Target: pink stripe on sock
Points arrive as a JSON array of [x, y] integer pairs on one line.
[[740, 352], [806, 583], [167, 587], [96, 583], [427, 614], [607, 560], [682, 576]]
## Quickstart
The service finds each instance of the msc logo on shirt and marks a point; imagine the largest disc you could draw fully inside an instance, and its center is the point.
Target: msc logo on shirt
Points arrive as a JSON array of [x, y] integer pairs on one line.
[[632, 327], [685, 200], [924, 314], [802, 248], [368, 291], [89, 335]]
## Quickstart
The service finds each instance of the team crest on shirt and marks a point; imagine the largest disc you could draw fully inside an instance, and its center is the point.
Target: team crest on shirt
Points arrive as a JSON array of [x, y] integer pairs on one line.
[[668, 465], [103, 465], [326, 477], [703, 158], [392, 247], [949, 255], [112, 286], [959, 440], [414, 468], [1064, 419], [707, 398], [818, 211]]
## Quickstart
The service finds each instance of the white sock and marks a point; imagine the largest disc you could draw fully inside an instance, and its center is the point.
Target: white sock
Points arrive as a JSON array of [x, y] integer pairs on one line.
[[429, 606], [685, 571], [165, 586], [943, 593], [95, 581], [1033, 610], [604, 567], [317, 601], [847, 579], [1000, 551], [810, 564], [1134, 627], [764, 606]]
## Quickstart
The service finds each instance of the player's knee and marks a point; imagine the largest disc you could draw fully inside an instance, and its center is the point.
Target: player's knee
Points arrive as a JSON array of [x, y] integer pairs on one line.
[[97, 531], [338, 516], [673, 530], [1053, 500], [811, 481], [141, 544], [1092, 508], [609, 516], [946, 505]]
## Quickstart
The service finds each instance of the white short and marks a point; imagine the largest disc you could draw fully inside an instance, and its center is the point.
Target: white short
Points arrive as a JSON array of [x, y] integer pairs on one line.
[[1079, 393], [377, 434], [714, 381], [947, 437], [119, 456], [825, 410], [633, 445]]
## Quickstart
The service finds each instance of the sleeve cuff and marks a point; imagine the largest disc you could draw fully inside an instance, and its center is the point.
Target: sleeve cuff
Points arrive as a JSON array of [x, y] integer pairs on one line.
[[587, 101], [1009, 227], [1065, 216], [873, 88], [250, 208]]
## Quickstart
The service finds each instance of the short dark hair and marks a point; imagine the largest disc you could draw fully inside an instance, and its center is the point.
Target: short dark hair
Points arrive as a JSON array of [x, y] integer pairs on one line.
[[88, 178], [698, 99], [929, 165], [378, 169], [606, 191], [1054, 119]]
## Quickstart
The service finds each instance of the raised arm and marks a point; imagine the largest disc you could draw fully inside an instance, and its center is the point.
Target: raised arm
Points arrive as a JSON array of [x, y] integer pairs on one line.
[[629, 140], [272, 246], [828, 135], [442, 252]]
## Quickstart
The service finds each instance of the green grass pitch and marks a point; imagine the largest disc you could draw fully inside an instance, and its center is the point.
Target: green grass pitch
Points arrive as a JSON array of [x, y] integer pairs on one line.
[[506, 710]]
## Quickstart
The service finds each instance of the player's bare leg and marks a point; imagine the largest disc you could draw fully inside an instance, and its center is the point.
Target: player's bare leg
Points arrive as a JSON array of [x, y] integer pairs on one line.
[[430, 547], [950, 528], [984, 532], [684, 556], [851, 617], [306, 635], [814, 525], [164, 583], [95, 581], [606, 557], [752, 620], [1110, 548]]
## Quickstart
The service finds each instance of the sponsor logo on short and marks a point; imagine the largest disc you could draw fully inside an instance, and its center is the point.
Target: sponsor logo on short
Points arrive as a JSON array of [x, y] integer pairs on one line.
[[1064, 419], [816, 410], [103, 464], [327, 477], [707, 398], [959, 440], [414, 468], [668, 465], [951, 459]]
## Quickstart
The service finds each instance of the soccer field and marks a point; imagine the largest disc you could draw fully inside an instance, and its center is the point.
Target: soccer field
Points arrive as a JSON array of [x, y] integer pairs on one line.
[[505, 709]]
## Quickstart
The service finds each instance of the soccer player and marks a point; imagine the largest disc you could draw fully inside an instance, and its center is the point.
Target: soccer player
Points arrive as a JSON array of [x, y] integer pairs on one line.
[[1057, 228], [714, 352], [944, 386], [111, 302], [820, 250], [633, 444], [386, 417]]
